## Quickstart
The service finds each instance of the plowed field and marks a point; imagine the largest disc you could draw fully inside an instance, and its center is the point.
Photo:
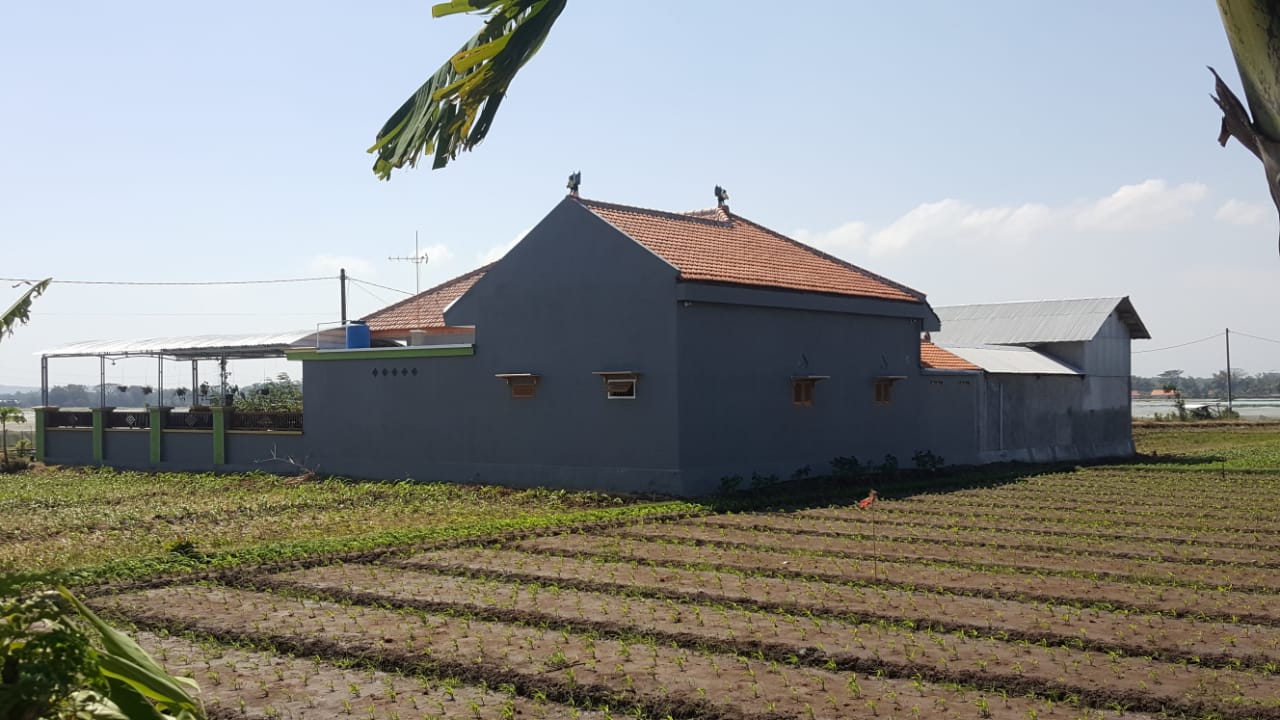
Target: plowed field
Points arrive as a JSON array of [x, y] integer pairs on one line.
[[1106, 592]]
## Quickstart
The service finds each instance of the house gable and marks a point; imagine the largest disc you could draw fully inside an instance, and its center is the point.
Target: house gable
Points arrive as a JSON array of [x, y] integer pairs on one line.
[[568, 239]]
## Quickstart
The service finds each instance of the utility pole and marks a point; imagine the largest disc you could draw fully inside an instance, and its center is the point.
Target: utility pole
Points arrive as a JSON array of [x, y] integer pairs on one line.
[[342, 290], [419, 259], [1229, 369]]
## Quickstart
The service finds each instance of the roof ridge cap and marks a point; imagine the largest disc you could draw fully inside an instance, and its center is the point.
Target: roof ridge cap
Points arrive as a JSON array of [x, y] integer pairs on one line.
[[587, 202]]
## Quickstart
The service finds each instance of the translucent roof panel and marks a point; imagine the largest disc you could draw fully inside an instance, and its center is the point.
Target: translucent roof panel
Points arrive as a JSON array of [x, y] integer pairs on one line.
[[1012, 360], [195, 347]]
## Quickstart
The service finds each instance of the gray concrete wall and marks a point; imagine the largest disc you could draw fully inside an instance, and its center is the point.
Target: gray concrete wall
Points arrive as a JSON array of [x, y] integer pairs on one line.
[[68, 447], [1045, 419], [949, 415], [186, 451], [126, 448], [573, 297], [247, 451], [736, 411]]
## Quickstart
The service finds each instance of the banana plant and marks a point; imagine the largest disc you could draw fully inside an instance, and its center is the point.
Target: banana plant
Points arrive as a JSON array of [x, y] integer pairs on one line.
[[8, 414], [51, 669], [1253, 30], [20, 311], [455, 107]]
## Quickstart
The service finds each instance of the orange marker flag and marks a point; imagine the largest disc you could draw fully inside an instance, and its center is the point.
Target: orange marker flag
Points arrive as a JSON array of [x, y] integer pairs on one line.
[[866, 502]]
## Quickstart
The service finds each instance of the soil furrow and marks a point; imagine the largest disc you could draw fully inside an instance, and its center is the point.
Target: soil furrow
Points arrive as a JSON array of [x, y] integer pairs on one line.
[[1261, 580], [861, 522], [562, 666], [1217, 644], [1227, 605], [1055, 515], [243, 683], [996, 538]]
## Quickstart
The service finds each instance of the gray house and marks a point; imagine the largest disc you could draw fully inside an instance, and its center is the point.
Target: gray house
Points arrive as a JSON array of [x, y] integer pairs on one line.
[[627, 349], [623, 348], [1056, 375]]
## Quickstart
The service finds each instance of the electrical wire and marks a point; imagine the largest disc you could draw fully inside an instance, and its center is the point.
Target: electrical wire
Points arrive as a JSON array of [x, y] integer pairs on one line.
[[141, 283], [175, 314], [1255, 337], [360, 286], [384, 287], [1171, 347]]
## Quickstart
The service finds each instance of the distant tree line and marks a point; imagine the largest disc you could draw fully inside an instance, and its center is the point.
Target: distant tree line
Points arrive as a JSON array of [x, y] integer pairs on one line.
[[282, 393], [1243, 384]]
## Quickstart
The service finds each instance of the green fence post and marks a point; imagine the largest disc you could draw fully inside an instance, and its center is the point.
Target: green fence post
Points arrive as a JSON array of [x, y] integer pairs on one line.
[[42, 422], [155, 423], [219, 435], [99, 424]]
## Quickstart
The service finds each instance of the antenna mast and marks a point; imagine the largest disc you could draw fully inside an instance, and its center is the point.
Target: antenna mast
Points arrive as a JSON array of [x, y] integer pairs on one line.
[[419, 259]]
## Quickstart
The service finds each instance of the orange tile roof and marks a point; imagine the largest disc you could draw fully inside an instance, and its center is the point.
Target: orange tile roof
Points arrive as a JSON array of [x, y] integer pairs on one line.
[[426, 309], [716, 246], [935, 358]]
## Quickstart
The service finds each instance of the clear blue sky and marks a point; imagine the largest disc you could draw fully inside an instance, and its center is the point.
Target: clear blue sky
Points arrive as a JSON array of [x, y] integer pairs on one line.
[[980, 152]]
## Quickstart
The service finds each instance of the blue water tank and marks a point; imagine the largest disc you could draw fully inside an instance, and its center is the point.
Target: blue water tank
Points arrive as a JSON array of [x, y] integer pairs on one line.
[[357, 335]]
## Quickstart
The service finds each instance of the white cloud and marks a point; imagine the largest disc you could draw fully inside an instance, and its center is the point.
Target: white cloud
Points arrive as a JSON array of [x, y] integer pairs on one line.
[[332, 263], [948, 220], [1147, 205], [952, 222], [495, 253], [438, 254], [850, 236], [1238, 212]]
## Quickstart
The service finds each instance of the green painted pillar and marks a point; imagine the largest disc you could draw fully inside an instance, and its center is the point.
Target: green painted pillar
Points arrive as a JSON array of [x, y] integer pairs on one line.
[[99, 424], [42, 423], [155, 423], [219, 435]]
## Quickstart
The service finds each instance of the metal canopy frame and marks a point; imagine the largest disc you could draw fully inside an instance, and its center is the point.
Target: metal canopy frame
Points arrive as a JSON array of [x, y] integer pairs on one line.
[[194, 348]]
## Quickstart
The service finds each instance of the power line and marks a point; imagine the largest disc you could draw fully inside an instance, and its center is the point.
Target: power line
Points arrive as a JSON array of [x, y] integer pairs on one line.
[[179, 314], [384, 287], [144, 283], [1256, 337], [360, 286], [1171, 347]]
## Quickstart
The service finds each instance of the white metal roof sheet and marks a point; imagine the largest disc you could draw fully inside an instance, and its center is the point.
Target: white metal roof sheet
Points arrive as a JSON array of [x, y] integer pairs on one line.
[[1012, 360], [189, 346], [1041, 321]]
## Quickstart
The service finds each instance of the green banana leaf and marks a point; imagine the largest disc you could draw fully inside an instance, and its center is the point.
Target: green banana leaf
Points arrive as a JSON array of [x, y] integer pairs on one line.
[[133, 677], [455, 107], [20, 311], [1253, 30]]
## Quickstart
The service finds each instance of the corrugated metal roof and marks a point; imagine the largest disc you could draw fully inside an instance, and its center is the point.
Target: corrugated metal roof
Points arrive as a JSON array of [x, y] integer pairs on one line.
[[1042, 321], [1012, 360], [194, 346]]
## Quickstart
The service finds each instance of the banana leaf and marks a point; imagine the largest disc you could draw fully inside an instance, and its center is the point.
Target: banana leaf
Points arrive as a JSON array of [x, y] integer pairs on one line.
[[139, 686], [1253, 30], [455, 107], [20, 311]]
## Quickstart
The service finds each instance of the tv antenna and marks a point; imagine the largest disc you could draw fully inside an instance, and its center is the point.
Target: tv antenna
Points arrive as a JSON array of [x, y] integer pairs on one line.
[[418, 259]]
